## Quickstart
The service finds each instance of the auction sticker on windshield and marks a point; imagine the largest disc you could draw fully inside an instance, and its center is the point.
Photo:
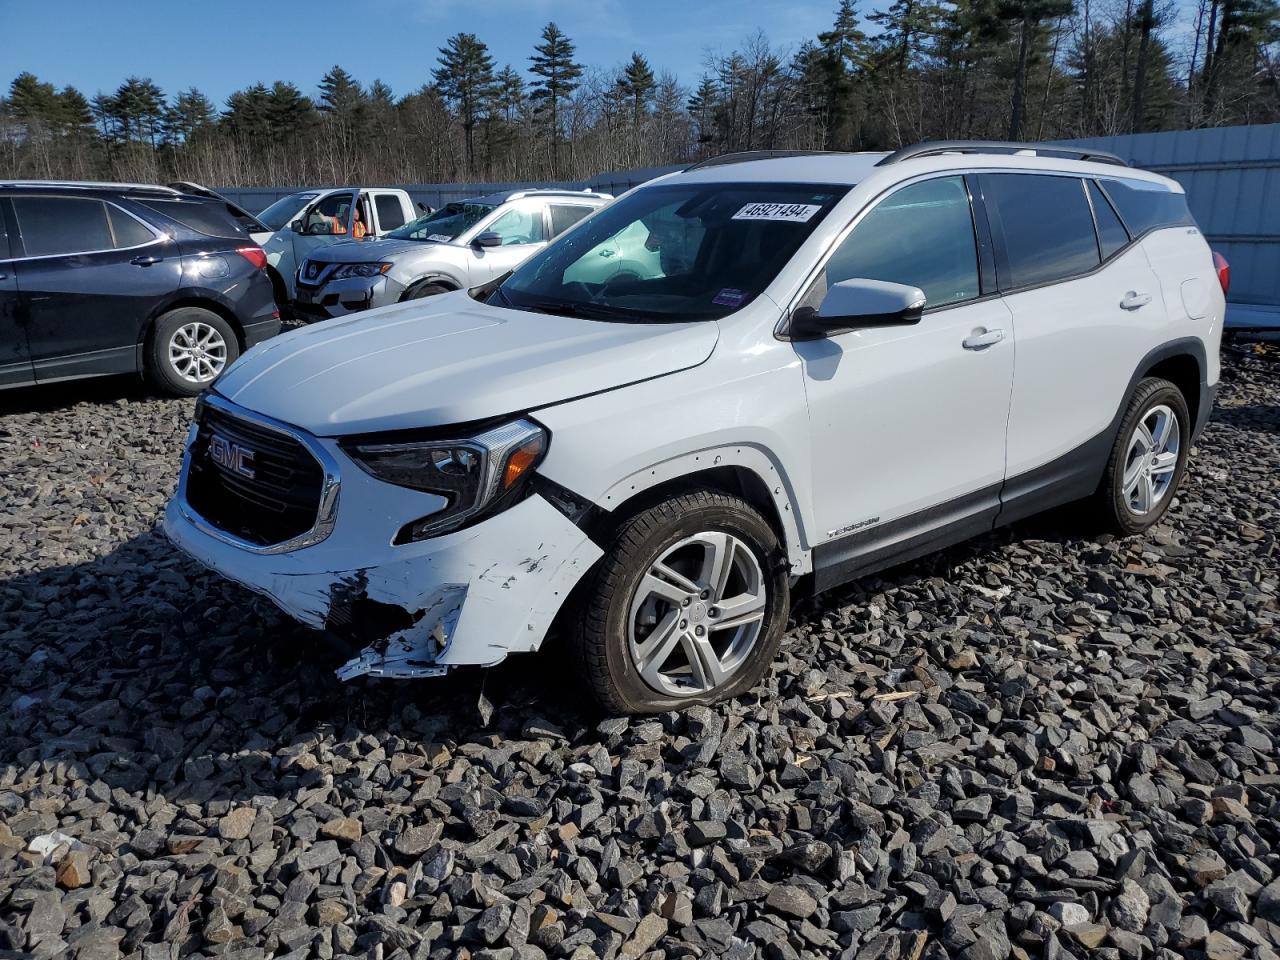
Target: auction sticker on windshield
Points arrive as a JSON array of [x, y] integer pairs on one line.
[[439, 238], [789, 212]]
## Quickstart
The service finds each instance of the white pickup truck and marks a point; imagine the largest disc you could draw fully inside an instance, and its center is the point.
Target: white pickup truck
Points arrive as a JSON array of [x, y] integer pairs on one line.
[[294, 226]]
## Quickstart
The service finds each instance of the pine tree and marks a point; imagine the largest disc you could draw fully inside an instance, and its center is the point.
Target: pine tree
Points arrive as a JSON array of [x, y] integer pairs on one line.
[[638, 85], [139, 109], [466, 82], [191, 113], [558, 73], [340, 93], [702, 106], [287, 112]]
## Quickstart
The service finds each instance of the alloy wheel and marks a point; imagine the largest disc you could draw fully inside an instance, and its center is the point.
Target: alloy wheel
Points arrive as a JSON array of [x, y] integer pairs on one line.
[[197, 352], [697, 614], [1152, 459]]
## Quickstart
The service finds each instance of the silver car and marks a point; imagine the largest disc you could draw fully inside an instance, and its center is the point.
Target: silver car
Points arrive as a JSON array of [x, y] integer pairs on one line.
[[463, 244]]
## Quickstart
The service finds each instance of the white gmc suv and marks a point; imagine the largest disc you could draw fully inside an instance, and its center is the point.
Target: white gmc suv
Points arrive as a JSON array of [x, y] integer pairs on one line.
[[842, 361]]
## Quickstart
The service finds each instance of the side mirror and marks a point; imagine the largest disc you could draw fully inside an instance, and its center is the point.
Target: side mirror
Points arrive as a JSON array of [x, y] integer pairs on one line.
[[423, 207], [487, 239], [856, 304], [296, 226]]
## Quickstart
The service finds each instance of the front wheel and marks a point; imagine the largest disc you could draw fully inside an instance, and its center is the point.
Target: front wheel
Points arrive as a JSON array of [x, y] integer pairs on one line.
[[687, 606], [1148, 459], [423, 290], [190, 347]]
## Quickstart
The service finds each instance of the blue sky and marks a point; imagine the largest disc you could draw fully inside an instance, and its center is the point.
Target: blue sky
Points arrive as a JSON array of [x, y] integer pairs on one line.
[[228, 44]]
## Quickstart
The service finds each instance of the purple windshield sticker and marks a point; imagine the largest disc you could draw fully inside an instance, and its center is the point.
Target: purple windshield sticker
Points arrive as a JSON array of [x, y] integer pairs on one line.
[[728, 297]]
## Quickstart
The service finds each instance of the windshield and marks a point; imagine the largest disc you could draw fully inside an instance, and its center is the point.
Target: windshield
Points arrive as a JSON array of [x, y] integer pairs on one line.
[[693, 251], [281, 213], [448, 223]]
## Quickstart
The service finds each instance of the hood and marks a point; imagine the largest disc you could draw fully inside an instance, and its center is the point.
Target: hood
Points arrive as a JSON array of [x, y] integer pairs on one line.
[[449, 359], [367, 251]]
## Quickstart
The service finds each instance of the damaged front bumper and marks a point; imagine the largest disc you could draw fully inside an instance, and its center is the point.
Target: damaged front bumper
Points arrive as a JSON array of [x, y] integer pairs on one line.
[[339, 298], [469, 597]]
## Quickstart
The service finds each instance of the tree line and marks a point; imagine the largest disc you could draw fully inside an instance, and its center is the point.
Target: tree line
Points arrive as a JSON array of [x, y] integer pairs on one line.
[[915, 70]]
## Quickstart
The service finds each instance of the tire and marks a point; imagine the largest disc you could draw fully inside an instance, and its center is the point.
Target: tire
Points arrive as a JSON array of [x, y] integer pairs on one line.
[[171, 365], [1148, 459], [421, 290], [620, 617]]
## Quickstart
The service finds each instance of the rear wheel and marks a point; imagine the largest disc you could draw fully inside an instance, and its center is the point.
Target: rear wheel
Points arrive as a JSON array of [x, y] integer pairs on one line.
[[1148, 460], [688, 606], [189, 348]]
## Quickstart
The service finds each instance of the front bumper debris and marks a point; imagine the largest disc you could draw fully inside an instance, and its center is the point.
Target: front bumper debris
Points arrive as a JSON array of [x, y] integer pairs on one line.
[[469, 597]]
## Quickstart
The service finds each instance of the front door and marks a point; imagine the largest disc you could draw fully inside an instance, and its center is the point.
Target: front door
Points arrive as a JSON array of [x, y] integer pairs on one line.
[[523, 230], [15, 361], [908, 422], [330, 219], [89, 279]]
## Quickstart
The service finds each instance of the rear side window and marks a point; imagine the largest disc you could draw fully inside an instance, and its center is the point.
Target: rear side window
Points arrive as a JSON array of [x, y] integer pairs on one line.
[[53, 226], [922, 235], [1047, 225], [203, 216], [390, 213], [564, 216], [128, 231], [1112, 235], [1147, 206]]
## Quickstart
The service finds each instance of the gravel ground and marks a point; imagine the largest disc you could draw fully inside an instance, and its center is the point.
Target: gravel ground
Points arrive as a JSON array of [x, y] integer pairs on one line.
[[1042, 743]]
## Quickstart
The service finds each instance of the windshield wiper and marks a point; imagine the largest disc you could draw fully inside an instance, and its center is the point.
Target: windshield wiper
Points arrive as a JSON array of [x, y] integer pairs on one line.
[[567, 308]]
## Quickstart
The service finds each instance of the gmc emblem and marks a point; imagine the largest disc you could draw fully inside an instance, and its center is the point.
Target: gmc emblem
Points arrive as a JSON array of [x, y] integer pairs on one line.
[[231, 456]]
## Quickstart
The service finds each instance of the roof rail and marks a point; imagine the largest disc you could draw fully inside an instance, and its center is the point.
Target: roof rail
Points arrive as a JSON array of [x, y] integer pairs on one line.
[[89, 185], [932, 148], [746, 156]]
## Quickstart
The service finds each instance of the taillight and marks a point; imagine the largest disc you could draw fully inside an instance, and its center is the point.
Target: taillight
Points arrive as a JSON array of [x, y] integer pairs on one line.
[[255, 255], [1224, 270]]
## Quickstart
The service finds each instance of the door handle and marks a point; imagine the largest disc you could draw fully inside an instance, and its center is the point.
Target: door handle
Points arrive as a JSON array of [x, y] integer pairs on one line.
[[145, 261], [982, 337], [1133, 300], [608, 252]]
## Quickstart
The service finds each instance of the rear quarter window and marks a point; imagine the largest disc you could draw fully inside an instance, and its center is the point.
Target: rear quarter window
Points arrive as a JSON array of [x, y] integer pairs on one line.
[[1147, 206], [203, 216]]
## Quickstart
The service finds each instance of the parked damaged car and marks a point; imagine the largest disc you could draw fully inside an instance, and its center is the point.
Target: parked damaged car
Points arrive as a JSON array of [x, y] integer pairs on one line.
[[463, 244], [816, 381]]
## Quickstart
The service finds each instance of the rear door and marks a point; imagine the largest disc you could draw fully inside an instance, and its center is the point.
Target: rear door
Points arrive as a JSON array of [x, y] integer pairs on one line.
[[90, 276], [15, 359], [1082, 320]]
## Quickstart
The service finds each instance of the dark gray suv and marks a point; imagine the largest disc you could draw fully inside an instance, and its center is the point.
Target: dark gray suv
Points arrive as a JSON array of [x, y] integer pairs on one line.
[[100, 278]]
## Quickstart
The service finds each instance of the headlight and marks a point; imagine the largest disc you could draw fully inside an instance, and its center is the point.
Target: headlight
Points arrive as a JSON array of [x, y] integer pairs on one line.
[[476, 474], [360, 270]]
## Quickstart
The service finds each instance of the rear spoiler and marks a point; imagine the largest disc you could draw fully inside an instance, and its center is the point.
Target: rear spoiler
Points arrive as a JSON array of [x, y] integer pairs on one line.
[[195, 189]]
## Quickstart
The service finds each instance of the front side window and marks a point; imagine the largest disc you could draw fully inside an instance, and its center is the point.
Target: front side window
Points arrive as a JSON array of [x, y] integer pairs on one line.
[[53, 226], [1048, 226], [330, 217], [921, 236], [690, 251], [448, 223], [519, 226]]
